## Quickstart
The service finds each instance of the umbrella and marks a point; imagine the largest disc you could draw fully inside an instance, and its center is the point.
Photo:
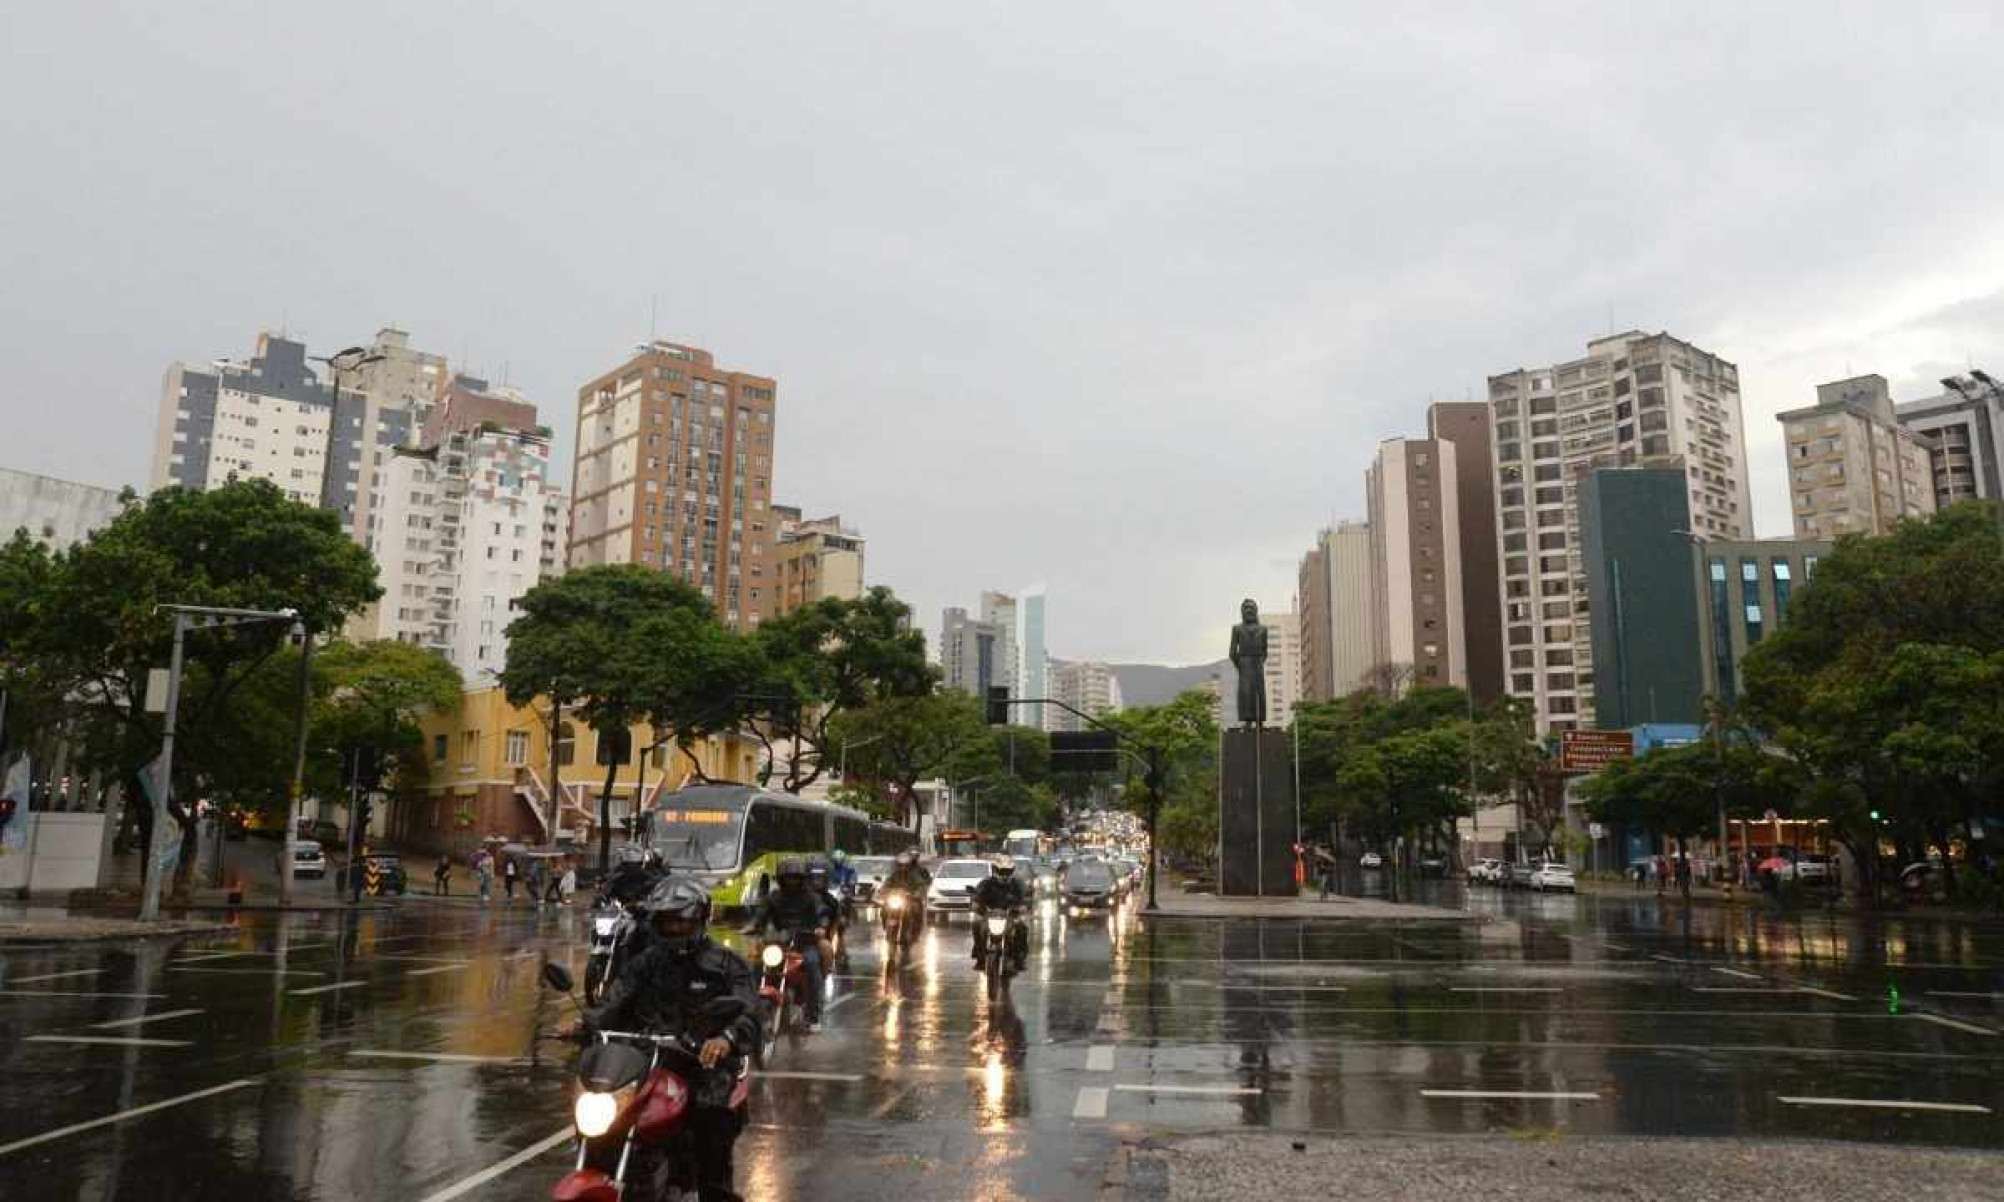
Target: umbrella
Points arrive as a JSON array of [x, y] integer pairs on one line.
[[1775, 864]]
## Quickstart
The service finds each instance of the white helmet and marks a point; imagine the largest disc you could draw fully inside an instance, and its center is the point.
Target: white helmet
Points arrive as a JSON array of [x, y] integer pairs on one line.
[[1005, 865]]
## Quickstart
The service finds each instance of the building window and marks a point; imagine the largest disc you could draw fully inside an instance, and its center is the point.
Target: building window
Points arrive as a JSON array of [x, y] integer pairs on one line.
[[567, 744], [1722, 637], [1782, 585], [438, 749], [518, 747]]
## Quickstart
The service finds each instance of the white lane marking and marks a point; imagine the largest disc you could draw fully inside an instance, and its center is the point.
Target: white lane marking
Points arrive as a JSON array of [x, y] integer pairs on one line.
[[1666, 959], [801, 1076], [126, 1041], [1612, 946], [444, 1057], [1734, 972], [1512, 1094], [425, 972], [1887, 1104], [1931, 993], [68, 993], [1265, 988], [847, 997], [1765, 991], [1503, 989], [142, 1019], [1220, 1090], [122, 1115], [1953, 1024], [57, 976], [1091, 1103], [326, 988], [207, 956], [425, 959], [1832, 994], [1099, 1058], [469, 1184], [252, 972]]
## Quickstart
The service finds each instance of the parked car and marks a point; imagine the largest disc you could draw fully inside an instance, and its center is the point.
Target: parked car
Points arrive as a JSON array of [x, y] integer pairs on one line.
[[1516, 876], [953, 885], [1812, 868], [1552, 875], [308, 860], [1370, 859], [1433, 865], [389, 868], [1486, 871], [323, 832]]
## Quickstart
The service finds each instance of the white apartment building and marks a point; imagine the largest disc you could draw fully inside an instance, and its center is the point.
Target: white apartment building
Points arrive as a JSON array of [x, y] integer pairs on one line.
[[1966, 427], [1415, 534], [1353, 604], [1851, 467], [1634, 399], [1086, 685], [1283, 666], [463, 527]]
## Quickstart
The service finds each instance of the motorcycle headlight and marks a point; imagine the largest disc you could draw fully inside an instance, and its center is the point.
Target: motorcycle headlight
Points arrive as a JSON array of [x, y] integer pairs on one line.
[[895, 901], [998, 926], [772, 956], [605, 925], [594, 1113]]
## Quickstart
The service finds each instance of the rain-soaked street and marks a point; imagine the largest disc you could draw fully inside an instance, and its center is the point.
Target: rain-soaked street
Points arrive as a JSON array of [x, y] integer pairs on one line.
[[391, 1053]]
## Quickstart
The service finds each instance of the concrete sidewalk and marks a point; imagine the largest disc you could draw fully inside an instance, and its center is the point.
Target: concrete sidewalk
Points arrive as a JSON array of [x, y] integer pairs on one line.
[[58, 924], [1308, 908], [1549, 1166]]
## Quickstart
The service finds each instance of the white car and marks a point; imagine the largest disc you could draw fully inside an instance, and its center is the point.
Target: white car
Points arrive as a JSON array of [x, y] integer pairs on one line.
[[1370, 859], [1486, 871], [308, 860], [1549, 876], [953, 885]]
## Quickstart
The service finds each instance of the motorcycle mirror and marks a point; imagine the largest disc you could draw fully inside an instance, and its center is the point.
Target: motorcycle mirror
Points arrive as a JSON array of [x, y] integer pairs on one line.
[[557, 977]]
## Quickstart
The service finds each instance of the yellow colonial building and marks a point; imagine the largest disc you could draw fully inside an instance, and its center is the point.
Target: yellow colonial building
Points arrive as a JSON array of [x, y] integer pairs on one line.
[[488, 776]]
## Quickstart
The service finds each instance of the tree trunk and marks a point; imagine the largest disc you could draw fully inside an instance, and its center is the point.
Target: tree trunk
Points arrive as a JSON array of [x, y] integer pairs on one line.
[[605, 817]]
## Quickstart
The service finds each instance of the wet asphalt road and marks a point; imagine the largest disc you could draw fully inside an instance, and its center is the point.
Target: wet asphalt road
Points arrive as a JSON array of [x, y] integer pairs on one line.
[[390, 1054]]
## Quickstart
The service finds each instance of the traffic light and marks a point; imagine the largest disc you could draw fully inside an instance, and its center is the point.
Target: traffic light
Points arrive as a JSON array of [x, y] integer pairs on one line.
[[998, 705]]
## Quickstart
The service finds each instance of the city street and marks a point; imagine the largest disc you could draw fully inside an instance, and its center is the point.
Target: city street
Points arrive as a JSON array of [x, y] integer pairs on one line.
[[391, 1053]]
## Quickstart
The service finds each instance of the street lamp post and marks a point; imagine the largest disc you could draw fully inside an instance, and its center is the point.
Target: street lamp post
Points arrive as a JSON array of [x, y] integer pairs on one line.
[[186, 618], [298, 790]]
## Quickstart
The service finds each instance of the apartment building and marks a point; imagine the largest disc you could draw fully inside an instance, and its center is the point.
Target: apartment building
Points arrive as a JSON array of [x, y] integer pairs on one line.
[[1415, 535], [1086, 685], [1965, 426], [273, 417], [462, 528], [1465, 425], [1317, 623], [674, 470], [972, 654], [1635, 399], [1852, 468], [813, 558]]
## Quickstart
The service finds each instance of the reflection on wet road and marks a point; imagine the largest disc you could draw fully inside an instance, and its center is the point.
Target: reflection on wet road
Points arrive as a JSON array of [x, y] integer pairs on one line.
[[392, 1054]]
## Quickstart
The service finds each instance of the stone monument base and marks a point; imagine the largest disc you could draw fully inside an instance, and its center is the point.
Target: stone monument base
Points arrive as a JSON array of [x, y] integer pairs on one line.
[[1256, 813]]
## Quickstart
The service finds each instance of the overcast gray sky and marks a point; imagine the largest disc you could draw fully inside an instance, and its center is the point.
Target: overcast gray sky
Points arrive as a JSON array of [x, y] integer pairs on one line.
[[1118, 298]]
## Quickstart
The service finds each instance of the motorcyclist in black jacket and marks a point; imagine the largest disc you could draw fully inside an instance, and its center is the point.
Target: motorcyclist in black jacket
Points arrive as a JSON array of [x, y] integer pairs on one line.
[[907, 876], [792, 910], [664, 990], [1001, 891], [634, 877]]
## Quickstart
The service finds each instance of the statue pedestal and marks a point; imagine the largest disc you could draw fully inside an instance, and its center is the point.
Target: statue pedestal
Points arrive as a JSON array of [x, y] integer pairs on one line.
[[1256, 813]]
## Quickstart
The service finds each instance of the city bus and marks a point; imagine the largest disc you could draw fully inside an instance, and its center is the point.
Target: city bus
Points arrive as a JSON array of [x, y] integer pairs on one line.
[[732, 837], [958, 844], [1023, 844]]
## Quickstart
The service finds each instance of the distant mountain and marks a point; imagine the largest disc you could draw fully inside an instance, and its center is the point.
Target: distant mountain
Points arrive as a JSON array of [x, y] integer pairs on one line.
[[1155, 684]]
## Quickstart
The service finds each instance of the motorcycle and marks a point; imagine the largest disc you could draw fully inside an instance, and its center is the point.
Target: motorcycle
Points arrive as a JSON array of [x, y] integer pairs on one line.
[[612, 926], [901, 921], [998, 955], [783, 985], [635, 1094]]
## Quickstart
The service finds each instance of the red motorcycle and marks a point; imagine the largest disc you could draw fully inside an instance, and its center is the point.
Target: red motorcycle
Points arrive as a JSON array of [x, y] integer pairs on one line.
[[783, 985], [635, 1095]]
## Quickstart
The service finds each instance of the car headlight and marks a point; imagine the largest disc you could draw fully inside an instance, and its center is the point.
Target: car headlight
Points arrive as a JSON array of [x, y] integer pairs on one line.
[[594, 1113], [998, 926], [772, 956]]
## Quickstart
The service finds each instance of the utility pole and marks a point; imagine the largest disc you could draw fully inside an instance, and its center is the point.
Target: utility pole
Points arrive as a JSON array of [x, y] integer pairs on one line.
[[149, 898], [298, 791]]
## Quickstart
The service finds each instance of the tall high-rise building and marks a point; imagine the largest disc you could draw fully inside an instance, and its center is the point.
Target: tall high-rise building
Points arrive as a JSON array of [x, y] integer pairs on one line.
[[674, 470], [1465, 424], [1852, 468], [462, 528], [1354, 606], [1416, 561], [971, 653], [1085, 685], [273, 417], [1643, 618], [1317, 623], [814, 558], [1635, 400], [999, 611], [1032, 656], [1966, 426], [1283, 666]]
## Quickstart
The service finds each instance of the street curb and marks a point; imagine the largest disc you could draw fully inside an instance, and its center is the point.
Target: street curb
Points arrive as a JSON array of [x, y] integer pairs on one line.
[[175, 930]]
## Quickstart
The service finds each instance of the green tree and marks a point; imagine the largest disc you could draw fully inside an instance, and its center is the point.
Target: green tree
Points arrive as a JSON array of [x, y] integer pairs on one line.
[[818, 661], [1881, 685], [896, 742], [620, 644], [100, 628]]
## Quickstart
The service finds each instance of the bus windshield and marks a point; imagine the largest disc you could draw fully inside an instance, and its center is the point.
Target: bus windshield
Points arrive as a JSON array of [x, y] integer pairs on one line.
[[1021, 844], [703, 839]]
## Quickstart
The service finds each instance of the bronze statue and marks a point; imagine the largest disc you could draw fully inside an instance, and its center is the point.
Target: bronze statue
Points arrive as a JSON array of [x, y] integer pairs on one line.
[[1248, 656]]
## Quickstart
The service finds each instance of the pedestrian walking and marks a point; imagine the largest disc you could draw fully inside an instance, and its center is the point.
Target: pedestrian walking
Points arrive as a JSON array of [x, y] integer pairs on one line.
[[553, 884], [569, 884], [1659, 871], [509, 873], [1684, 874], [483, 872], [441, 877], [1325, 867], [537, 872]]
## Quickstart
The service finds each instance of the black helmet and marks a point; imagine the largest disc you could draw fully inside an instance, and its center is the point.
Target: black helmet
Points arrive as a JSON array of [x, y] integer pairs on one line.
[[790, 868], [680, 898], [817, 871]]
